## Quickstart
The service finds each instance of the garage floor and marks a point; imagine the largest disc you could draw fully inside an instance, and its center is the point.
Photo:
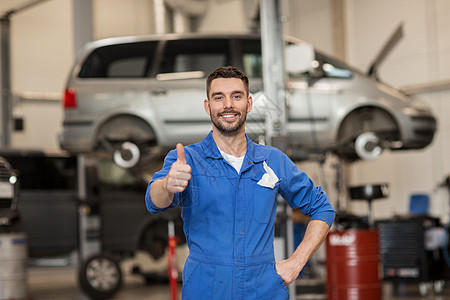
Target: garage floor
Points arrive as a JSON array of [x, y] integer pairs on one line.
[[59, 283]]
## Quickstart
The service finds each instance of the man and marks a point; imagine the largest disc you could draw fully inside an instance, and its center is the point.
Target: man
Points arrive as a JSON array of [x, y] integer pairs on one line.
[[227, 186]]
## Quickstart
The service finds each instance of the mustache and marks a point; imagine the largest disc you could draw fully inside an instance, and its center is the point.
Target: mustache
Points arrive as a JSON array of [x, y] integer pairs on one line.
[[229, 111]]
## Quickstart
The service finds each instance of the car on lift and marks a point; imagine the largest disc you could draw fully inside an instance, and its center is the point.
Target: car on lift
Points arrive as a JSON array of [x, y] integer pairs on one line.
[[132, 96], [8, 194]]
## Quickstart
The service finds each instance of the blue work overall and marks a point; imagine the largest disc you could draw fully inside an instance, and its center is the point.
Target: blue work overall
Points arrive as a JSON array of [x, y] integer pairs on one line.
[[229, 219]]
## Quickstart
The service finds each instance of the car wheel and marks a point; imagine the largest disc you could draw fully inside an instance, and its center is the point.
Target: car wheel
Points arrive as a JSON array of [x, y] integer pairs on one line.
[[127, 138], [438, 286], [364, 133], [424, 289], [127, 155], [367, 146], [154, 239], [100, 276]]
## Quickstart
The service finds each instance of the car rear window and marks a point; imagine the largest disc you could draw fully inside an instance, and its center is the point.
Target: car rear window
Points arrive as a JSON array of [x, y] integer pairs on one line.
[[130, 60]]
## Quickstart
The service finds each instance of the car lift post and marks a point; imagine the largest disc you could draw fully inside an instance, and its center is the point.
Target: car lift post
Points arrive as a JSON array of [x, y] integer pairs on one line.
[[88, 212], [274, 89], [272, 45]]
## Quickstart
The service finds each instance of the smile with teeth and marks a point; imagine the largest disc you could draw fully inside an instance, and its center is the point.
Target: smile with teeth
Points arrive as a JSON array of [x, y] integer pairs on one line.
[[229, 116]]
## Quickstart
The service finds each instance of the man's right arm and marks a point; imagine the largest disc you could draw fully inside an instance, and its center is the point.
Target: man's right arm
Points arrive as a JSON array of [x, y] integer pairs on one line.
[[159, 194], [176, 181]]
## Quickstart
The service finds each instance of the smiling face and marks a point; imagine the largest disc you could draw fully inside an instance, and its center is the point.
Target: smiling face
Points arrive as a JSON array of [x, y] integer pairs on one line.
[[228, 104]]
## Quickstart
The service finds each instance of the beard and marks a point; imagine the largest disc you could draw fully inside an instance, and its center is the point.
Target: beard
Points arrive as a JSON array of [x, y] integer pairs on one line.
[[229, 129]]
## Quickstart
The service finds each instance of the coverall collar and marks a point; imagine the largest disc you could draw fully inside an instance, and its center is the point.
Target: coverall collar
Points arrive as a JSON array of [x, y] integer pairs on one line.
[[211, 150]]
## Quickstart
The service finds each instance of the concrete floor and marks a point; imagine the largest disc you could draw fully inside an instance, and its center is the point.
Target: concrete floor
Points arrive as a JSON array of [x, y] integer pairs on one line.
[[57, 280], [59, 283]]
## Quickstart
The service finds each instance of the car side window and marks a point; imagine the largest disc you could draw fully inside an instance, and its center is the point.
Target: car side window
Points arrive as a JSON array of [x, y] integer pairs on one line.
[[194, 55], [128, 60], [332, 68], [197, 62], [128, 67], [251, 58]]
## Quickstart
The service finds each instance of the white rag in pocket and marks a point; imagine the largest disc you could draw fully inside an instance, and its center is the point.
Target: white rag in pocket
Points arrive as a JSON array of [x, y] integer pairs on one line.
[[269, 179]]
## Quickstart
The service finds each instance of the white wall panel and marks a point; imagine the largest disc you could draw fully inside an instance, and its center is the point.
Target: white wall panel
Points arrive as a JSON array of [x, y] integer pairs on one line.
[[42, 123], [373, 23], [405, 71], [118, 17], [41, 47], [310, 21], [225, 16], [444, 63], [41, 57], [443, 23]]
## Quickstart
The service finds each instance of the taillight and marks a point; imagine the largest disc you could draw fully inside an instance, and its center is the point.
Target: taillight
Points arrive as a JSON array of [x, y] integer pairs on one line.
[[70, 99]]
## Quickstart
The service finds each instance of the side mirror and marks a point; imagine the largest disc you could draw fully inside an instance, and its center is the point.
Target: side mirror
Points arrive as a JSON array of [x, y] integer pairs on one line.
[[299, 58]]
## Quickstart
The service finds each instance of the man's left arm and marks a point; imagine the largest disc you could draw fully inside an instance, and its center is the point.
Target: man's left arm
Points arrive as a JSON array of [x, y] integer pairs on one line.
[[315, 234], [300, 192]]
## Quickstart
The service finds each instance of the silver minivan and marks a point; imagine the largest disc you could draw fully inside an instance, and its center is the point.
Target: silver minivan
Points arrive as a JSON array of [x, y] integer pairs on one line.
[[132, 96]]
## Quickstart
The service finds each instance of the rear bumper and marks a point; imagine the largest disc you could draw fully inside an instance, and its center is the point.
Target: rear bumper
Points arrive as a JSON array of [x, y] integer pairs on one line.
[[76, 136]]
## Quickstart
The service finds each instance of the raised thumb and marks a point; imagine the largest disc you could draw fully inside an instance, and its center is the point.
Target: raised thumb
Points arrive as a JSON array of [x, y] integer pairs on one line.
[[180, 153]]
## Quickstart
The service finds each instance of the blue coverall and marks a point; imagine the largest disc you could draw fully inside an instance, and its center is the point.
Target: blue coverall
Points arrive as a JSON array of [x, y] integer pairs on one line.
[[229, 219]]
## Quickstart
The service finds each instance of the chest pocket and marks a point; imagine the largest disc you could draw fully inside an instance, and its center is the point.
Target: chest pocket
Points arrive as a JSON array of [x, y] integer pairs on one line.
[[264, 199]]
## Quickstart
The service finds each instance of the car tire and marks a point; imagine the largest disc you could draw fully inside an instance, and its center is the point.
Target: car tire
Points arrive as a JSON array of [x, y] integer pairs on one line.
[[100, 276], [365, 132], [367, 146], [127, 155]]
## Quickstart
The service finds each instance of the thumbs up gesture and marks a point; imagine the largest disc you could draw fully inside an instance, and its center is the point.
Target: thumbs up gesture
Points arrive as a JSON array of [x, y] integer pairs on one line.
[[179, 174]]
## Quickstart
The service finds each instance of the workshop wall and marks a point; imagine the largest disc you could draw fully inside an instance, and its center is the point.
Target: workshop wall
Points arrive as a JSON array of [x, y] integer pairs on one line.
[[118, 18], [41, 46], [41, 57]]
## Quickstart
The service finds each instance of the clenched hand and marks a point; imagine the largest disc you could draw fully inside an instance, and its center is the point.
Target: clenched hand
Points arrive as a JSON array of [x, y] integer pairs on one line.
[[179, 174]]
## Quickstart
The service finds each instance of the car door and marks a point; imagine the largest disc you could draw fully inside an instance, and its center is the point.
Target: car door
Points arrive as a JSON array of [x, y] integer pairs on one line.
[[313, 105], [310, 110]]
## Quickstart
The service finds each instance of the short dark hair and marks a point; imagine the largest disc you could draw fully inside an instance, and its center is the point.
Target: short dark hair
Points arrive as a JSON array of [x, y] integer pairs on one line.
[[227, 72]]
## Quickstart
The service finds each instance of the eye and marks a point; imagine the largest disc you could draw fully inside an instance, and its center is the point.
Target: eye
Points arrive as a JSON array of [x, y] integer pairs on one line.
[[217, 97]]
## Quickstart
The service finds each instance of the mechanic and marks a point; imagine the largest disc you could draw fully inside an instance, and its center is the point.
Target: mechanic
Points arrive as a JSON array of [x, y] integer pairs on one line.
[[227, 187]]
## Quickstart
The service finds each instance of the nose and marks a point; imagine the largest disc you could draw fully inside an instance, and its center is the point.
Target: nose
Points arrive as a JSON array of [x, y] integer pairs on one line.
[[228, 103]]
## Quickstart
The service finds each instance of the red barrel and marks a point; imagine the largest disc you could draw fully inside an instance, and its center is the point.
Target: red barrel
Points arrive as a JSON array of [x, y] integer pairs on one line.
[[353, 265]]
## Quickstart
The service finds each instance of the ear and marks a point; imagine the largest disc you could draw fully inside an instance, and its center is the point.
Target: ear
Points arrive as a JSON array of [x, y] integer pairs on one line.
[[249, 103], [206, 106]]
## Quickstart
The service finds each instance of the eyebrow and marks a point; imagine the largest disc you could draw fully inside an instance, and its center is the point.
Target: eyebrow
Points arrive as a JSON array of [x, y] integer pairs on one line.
[[216, 93], [232, 93]]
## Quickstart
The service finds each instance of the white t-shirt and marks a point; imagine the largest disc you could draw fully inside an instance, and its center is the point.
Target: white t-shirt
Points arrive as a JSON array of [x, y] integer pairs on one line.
[[236, 162]]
